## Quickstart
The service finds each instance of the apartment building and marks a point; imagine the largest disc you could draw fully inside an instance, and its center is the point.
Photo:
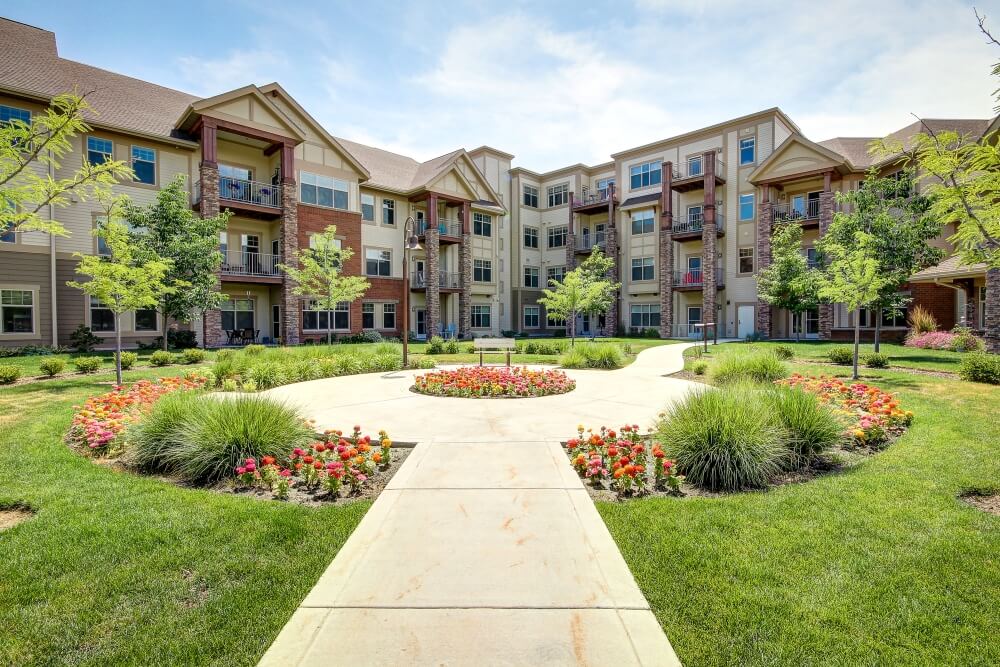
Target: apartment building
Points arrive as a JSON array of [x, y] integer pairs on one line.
[[687, 219]]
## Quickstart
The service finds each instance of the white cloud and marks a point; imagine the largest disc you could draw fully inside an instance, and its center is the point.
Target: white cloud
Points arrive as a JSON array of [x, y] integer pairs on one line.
[[210, 76]]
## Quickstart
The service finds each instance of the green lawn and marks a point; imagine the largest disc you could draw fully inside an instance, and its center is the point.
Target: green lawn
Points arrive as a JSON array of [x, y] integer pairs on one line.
[[899, 355], [878, 565], [120, 569], [29, 365]]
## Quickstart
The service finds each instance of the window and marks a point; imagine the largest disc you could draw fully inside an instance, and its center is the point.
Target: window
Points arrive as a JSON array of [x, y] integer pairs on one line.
[[144, 165], [388, 212], [694, 315], [558, 194], [812, 258], [644, 175], [894, 318], [10, 114], [746, 260], [482, 224], [642, 222], [695, 219], [531, 237], [101, 317], [238, 173], [604, 187], [530, 196], [223, 244], [696, 165], [319, 320], [746, 207], [145, 320], [532, 315], [480, 317], [642, 268], [531, 276], [557, 237], [378, 262], [8, 235], [482, 271], [324, 191], [748, 150], [556, 273], [388, 316], [17, 311], [368, 316], [368, 208], [99, 150], [554, 321], [237, 314], [644, 315]]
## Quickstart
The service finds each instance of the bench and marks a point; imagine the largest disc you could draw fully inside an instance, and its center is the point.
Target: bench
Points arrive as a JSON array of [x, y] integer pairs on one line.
[[482, 345]]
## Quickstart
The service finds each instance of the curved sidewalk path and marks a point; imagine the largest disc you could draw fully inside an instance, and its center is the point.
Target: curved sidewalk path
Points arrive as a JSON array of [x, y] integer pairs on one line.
[[485, 548]]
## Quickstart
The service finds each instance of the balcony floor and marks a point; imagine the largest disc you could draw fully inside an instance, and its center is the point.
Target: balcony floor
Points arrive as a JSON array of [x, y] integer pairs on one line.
[[692, 183]]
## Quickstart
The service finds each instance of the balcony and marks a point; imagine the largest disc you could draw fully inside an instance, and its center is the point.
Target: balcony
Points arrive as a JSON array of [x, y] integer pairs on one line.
[[690, 175], [448, 282], [806, 213], [449, 230], [686, 281], [585, 244], [253, 265], [690, 226], [250, 197], [592, 201]]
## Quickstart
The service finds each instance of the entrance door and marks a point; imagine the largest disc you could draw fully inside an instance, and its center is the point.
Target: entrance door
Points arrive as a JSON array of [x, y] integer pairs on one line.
[[745, 321], [693, 318], [275, 322], [811, 320], [419, 273], [250, 246], [422, 322]]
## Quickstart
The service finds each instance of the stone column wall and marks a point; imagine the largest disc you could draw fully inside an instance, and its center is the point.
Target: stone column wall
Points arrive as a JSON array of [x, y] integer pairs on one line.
[[432, 248], [763, 261], [709, 244], [208, 173], [290, 316], [611, 241], [570, 251], [667, 251], [465, 265], [992, 311], [970, 303], [826, 207]]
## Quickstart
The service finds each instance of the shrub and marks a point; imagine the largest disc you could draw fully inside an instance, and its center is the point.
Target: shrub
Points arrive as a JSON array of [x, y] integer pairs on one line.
[[435, 345], [811, 427], [228, 366], [841, 355], [128, 360], [305, 370], [266, 374], [229, 384], [181, 340], [573, 358], [921, 320], [980, 367], [451, 347], [249, 386], [724, 440], [161, 358], [254, 349], [193, 355], [52, 367], [966, 341], [593, 355], [699, 366], [930, 340], [82, 339], [371, 336], [348, 364], [784, 352], [752, 365], [9, 373], [876, 360], [385, 362], [202, 441], [88, 365]]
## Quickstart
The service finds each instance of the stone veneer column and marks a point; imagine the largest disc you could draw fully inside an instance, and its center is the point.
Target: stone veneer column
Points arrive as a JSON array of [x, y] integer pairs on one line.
[[290, 310], [991, 312], [570, 251], [826, 205], [708, 240], [969, 287], [611, 242], [208, 207], [764, 258], [465, 265], [667, 251], [432, 244]]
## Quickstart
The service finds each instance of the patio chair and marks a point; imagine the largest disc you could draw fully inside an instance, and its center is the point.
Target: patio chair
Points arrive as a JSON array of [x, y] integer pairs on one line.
[[231, 336]]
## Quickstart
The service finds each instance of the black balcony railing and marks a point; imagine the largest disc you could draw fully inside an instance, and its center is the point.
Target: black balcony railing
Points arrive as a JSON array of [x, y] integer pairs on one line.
[[239, 263], [807, 210], [445, 227], [695, 222]]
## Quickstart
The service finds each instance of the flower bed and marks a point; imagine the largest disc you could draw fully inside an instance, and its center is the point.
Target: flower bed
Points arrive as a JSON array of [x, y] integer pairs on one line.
[[99, 423], [335, 465], [872, 416], [622, 461], [493, 382], [958, 340]]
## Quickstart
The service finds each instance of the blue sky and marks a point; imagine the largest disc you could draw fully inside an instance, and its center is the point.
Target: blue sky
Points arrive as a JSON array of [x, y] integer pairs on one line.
[[553, 83]]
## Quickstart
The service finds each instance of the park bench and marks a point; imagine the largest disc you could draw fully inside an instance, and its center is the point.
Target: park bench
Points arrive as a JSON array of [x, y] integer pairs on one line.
[[483, 345]]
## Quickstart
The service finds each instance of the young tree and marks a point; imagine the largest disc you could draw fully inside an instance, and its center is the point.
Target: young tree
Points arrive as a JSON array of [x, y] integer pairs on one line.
[[596, 270], [124, 280], [31, 193], [788, 282], [852, 277], [900, 228], [318, 275], [170, 229], [584, 290]]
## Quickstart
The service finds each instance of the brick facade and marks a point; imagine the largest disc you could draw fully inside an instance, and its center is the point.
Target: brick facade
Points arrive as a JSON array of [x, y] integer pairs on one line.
[[939, 301]]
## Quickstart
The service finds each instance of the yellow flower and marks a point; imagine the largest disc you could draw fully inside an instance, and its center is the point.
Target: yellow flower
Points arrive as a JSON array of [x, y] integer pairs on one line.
[[386, 443], [859, 434]]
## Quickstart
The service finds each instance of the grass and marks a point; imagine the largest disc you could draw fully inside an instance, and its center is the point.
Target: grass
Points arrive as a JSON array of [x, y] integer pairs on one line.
[[115, 568], [881, 564]]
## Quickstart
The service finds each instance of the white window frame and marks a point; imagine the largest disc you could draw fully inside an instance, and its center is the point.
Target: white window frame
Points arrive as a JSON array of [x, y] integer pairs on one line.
[[478, 311], [142, 151], [532, 233], [536, 313], [93, 303], [322, 182], [529, 195], [753, 149], [645, 313], [560, 233], [644, 264], [33, 291], [367, 308], [386, 309], [743, 199], [645, 174], [389, 212], [482, 224], [331, 321], [367, 201], [557, 195], [485, 268], [531, 274], [743, 253], [557, 273], [383, 261], [108, 154], [643, 217]]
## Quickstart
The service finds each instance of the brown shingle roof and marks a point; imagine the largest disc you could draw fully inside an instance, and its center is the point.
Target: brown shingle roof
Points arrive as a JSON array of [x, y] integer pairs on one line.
[[394, 171], [855, 149], [952, 267]]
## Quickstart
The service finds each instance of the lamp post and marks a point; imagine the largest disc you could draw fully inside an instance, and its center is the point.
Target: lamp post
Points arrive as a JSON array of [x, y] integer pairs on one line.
[[410, 242]]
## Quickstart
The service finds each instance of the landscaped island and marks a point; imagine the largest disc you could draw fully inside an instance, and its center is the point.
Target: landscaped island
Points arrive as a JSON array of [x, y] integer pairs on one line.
[[493, 382]]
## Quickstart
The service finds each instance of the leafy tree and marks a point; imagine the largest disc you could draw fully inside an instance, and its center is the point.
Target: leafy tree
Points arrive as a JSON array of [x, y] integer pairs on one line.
[[852, 276], [900, 226], [30, 192], [584, 290], [170, 229], [124, 280], [788, 282], [319, 274]]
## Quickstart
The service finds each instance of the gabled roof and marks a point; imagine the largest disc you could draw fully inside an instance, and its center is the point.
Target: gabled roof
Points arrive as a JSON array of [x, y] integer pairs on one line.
[[207, 104], [952, 267], [856, 149], [820, 154]]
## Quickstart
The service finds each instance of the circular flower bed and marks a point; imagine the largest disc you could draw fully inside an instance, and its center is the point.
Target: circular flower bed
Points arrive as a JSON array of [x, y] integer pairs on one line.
[[493, 382]]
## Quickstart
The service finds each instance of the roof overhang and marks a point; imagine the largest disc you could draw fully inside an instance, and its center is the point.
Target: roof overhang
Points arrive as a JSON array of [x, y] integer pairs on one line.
[[824, 160]]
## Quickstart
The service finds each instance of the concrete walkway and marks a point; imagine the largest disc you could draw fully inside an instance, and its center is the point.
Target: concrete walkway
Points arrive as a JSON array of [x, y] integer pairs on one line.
[[485, 549]]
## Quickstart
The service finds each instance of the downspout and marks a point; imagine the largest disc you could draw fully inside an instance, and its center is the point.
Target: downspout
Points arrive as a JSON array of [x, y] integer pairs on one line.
[[53, 299]]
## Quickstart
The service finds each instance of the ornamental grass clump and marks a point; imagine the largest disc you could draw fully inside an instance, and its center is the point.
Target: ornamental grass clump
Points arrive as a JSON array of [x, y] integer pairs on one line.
[[811, 428], [604, 356], [266, 374], [725, 439], [760, 366]]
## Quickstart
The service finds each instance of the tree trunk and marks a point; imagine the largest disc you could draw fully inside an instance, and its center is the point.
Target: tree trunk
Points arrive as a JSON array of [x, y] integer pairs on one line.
[[878, 328], [165, 327], [329, 334], [857, 339], [572, 329], [118, 349], [798, 329]]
